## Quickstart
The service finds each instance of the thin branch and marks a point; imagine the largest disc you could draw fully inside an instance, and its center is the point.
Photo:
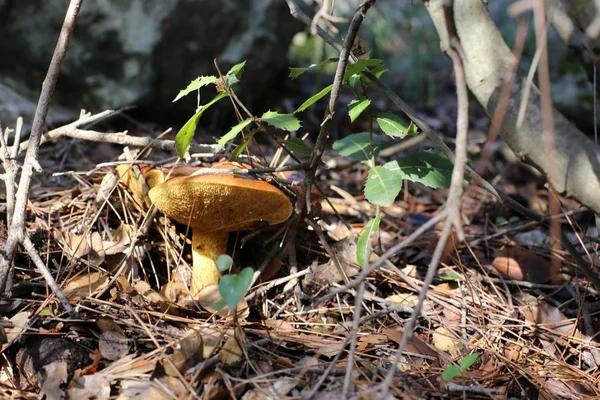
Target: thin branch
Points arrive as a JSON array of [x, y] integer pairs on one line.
[[15, 235], [121, 138], [325, 130], [39, 263]]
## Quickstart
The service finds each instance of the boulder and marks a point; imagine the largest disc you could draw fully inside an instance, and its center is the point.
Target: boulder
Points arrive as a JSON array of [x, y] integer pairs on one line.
[[142, 52]]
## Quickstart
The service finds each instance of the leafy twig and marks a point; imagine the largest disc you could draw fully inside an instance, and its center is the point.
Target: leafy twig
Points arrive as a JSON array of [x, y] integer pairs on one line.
[[325, 130]]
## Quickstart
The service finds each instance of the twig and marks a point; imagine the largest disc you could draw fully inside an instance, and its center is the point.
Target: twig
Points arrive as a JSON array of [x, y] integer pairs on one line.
[[16, 233], [39, 263], [325, 130], [9, 162], [121, 138], [353, 334], [410, 325]]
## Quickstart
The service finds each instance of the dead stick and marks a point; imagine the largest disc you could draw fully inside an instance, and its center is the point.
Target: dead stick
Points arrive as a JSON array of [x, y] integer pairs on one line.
[[15, 234]]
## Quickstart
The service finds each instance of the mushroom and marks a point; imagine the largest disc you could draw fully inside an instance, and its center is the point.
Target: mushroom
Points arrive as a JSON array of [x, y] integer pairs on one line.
[[213, 206]]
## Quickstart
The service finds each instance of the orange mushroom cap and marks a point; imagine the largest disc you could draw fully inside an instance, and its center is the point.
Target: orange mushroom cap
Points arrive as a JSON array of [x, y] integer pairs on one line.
[[221, 202]]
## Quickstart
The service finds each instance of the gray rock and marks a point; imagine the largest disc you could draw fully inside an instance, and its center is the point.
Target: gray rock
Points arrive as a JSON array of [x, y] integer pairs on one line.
[[142, 52]]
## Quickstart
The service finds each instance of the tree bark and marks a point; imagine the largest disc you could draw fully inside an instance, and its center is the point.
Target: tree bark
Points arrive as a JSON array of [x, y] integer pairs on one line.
[[574, 169]]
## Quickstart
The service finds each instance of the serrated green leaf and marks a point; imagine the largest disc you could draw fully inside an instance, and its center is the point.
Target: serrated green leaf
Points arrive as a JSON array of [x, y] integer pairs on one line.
[[430, 167], [282, 121], [296, 145], [224, 262], [314, 98], [358, 66], [377, 71], [391, 125], [383, 185], [356, 107], [363, 245], [237, 69], [233, 132], [296, 72], [469, 360], [195, 85], [186, 133], [233, 287], [451, 372], [358, 146]]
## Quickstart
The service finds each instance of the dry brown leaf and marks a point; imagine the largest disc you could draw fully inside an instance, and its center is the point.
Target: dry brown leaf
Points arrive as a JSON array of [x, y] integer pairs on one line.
[[232, 353], [83, 286], [136, 389], [95, 387], [550, 317], [189, 353], [407, 299], [279, 325], [413, 345], [18, 325], [55, 375], [445, 341], [524, 265], [113, 342]]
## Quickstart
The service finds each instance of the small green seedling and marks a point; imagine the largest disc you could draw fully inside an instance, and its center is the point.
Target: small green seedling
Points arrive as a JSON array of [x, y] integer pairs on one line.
[[233, 287], [452, 371], [224, 262]]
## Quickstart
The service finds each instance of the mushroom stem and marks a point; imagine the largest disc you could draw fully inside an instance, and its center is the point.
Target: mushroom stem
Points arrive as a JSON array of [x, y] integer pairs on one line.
[[206, 248]]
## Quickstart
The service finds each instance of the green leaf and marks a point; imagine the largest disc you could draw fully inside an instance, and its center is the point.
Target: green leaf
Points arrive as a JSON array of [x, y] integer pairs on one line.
[[356, 107], [363, 245], [313, 99], [354, 81], [195, 85], [451, 372], [237, 70], [224, 262], [501, 220], [514, 219], [240, 148], [392, 125], [413, 130], [450, 276], [296, 145], [186, 133], [281, 121], [357, 146], [383, 185], [233, 287], [296, 72], [469, 360], [358, 66], [430, 167], [233, 132]]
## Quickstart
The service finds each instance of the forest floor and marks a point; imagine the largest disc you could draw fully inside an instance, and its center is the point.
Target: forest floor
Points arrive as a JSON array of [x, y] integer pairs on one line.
[[502, 320]]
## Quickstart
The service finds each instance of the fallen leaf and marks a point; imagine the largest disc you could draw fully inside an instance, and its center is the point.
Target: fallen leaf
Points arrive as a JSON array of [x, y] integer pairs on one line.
[[83, 286], [445, 341], [232, 353], [113, 342], [95, 387], [55, 375]]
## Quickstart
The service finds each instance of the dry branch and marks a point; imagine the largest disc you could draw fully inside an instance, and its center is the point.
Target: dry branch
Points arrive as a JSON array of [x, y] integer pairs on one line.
[[488, 63]]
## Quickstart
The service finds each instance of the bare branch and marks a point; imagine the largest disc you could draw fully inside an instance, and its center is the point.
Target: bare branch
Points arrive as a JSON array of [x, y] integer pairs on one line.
[[15, 235]]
